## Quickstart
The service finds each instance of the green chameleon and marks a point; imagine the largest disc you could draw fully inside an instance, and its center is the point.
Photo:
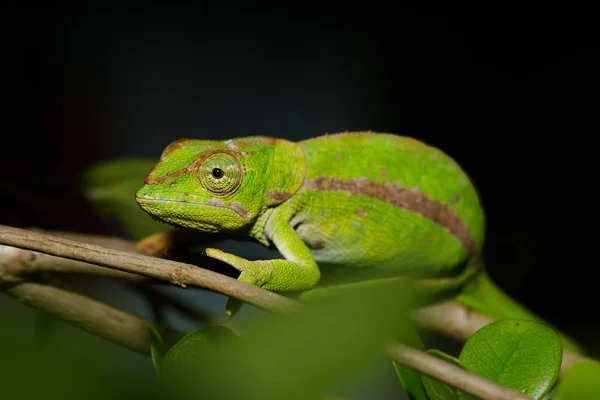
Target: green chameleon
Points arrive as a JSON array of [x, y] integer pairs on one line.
[[357, 206]]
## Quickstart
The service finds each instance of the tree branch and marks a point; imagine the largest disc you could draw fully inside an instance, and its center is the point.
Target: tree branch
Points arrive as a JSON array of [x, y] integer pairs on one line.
[[90, 315], [165, 270], [460, 323], [86, 258], [18, 264], [163, 298], [452, 374]]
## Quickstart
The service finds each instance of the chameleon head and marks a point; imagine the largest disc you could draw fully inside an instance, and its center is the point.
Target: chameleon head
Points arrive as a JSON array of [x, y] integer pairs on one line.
[[212, 186]]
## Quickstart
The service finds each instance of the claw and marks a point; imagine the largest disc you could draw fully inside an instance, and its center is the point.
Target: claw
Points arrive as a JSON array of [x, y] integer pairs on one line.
[[215, 253], [232, 307], [154, 245], [235, 261]]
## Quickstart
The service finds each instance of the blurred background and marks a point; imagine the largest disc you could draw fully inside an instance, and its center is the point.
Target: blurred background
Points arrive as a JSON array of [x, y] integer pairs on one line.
[[509, 91]]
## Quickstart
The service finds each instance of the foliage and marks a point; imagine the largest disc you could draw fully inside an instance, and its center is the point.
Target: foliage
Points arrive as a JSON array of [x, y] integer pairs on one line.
[[295, 356], [579, 382]]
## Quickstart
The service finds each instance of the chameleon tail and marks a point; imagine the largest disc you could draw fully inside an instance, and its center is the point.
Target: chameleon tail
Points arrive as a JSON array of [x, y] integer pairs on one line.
[[481, 294]]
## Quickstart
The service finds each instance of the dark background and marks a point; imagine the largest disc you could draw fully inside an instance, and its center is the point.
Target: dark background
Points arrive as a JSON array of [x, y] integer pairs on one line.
[[509, 91]]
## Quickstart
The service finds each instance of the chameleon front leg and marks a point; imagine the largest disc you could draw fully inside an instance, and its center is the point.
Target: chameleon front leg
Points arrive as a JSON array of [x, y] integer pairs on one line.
[[297, 272]]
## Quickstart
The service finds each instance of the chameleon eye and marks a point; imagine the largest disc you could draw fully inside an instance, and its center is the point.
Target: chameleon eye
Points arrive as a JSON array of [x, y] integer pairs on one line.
[[220, 173], [217, 173]]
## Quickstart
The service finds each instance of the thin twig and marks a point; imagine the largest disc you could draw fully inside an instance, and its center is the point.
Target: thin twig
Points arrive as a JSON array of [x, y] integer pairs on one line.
[[460, 323], [187, 274], [88, 314], [456, 376], [450, 318], [101, 240], [193, 312], [132, 332], [172, 271], [18, 264], [164, 299]]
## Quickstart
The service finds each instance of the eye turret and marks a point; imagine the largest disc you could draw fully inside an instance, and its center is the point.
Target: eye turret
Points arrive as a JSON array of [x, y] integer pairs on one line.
[[220, 173]]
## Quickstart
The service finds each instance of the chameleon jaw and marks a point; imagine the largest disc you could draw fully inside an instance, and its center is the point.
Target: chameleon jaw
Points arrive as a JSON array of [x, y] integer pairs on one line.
[[195, 214]]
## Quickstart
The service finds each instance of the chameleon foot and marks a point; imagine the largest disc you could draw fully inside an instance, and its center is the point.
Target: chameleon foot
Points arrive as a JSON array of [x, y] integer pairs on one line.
[[255, 273], [157, 244]]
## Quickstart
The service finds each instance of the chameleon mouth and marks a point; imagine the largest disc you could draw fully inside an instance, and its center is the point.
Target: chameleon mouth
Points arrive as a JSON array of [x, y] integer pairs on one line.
[[174, 209]]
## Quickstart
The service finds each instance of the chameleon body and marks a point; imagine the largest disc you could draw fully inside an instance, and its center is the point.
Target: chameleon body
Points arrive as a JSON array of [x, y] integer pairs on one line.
[[354, 201]]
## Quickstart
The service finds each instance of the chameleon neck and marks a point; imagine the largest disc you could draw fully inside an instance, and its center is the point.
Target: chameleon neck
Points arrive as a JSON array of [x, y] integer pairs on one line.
[[286, 172]]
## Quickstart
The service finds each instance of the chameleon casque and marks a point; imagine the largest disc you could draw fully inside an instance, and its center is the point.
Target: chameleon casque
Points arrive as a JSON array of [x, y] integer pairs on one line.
[[350, 202]]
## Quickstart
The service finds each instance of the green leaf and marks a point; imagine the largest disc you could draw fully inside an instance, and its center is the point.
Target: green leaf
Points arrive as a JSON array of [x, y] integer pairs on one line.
[[439, 390], [580, 381], [110, 188], [523, 355], [409, 378], [193, 347], [311, 352], [157, 348]]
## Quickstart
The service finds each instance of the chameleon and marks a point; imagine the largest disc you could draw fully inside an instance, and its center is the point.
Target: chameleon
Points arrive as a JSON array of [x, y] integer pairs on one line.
[[351, 205], [343, 209]]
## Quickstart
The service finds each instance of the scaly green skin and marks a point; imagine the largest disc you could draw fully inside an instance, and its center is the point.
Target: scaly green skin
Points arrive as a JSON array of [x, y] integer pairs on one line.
[[359, 201], [360, 205]]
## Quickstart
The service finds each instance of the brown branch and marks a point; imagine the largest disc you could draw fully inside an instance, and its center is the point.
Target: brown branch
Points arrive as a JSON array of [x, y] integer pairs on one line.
[[194, 313], [19, 264], [460, 323], [165, 270], [186, 274], [451, 319], [452, 374], [90, 315], [106, 241], [132, 332]]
